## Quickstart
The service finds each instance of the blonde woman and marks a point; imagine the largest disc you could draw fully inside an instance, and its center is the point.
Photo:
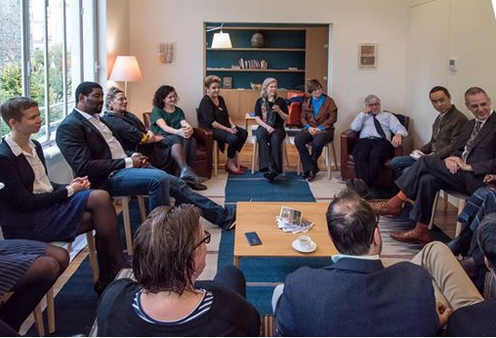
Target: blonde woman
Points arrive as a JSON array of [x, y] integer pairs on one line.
[[271, 112]]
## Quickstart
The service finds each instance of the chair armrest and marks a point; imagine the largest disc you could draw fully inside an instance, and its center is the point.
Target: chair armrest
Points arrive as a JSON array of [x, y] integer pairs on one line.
[[405, 148], [204, 137]]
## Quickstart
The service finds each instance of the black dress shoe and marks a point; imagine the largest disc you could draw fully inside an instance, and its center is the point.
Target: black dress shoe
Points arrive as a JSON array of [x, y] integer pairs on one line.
[[461, 244], [311, 176], [196, 186], [270, 175], [361, 188]]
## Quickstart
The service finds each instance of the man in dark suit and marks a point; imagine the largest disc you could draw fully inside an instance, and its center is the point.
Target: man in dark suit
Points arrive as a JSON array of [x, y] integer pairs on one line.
[[463, 171], [92, 149], [358, 296], [445, 131], [478, 319]]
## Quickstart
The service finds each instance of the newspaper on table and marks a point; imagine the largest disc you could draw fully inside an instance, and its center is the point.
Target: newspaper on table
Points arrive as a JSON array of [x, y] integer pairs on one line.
[[291, 220]]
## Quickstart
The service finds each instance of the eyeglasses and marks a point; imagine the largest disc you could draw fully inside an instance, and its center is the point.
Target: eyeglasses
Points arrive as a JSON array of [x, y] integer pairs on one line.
[[205, 239]]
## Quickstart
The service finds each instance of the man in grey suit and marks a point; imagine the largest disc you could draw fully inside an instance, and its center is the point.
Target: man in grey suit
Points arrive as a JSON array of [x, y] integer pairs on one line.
[[358, 296], [445, 131], [463, 171]]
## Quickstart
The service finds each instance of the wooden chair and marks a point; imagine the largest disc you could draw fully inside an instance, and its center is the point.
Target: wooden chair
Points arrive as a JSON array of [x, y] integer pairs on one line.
[[204, 149], [328, 148], [127, 217], [386, 175], [255, 154], [462, 198]]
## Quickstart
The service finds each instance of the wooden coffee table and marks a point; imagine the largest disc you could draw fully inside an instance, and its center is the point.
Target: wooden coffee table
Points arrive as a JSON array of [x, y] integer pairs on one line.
[[261, 218]]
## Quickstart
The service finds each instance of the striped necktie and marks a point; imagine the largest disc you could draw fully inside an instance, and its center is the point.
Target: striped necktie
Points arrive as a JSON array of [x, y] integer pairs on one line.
[[470, 142]]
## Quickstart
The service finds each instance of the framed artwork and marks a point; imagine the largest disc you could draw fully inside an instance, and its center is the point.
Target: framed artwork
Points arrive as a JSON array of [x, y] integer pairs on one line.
[[367, 55], [227, 82]]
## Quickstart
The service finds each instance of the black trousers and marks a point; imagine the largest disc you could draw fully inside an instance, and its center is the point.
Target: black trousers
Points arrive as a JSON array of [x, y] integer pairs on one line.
[[270, 146], [426, 177], [235, 142], [318, 142], [229, 277], [369, 155]]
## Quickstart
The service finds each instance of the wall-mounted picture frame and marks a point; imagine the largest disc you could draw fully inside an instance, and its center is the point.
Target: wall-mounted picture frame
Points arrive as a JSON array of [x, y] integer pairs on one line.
[[227, 82], [367, 55]]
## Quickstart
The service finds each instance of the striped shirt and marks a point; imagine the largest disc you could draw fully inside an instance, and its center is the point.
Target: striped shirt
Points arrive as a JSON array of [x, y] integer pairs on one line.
[[202, 308]]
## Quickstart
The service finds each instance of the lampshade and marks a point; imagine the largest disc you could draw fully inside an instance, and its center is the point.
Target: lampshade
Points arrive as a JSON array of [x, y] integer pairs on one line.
[[126, 68], [221, 40]]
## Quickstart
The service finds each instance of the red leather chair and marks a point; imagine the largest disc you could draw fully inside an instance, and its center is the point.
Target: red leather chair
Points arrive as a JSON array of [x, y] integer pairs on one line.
[[203, 160], [294, 110], [386, 175]]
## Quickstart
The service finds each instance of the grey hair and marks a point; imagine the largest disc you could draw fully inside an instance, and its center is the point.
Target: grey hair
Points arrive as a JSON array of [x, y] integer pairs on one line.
[[371, 98]]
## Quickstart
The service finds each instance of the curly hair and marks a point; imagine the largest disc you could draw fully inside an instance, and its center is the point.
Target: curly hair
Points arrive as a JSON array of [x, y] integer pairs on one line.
[[161, 94], [164, 246]]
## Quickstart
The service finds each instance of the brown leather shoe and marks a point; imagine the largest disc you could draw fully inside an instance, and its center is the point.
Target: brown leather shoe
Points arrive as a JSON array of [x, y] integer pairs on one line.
[[384, 208], [420, 234]]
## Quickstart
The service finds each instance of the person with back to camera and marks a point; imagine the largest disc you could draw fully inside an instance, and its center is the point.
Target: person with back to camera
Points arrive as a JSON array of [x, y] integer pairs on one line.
[[213, 115], [166, 299], [32, 207], [357, 295], [169, 121], [133, 133], [271, 112], [318, 115]]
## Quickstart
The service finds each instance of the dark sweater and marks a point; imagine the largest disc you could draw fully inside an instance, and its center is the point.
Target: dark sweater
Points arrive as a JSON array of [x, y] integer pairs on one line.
[[230, 315]]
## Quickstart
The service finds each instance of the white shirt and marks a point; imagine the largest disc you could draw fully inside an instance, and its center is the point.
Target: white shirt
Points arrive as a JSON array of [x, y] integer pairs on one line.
[[116, 149], [41, 182], [337, 257]]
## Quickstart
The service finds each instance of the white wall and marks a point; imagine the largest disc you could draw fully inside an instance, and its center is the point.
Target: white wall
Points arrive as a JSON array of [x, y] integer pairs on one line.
[[353, 21], [438, 30]]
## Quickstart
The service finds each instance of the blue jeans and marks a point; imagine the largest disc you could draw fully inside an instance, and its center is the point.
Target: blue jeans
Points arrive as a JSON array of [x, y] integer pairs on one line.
[[400, 163], [158, 185], [140, 181]]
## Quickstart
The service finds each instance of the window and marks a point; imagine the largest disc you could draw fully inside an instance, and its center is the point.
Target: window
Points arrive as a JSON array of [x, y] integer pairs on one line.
[[49, 35]]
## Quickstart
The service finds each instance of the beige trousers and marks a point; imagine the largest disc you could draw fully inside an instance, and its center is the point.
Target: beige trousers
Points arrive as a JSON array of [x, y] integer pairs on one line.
[[452, 286]]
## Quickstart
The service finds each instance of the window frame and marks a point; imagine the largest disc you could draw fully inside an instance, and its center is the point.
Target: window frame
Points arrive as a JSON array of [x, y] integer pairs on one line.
[[85, 60]]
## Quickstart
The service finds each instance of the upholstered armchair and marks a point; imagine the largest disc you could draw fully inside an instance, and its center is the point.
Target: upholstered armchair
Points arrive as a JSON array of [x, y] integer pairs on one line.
[[294, 109], [386, 176], [203, 161]]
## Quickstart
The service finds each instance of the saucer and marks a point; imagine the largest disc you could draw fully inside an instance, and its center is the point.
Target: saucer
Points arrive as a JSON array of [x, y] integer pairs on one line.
[[312, 248], [1, 185]]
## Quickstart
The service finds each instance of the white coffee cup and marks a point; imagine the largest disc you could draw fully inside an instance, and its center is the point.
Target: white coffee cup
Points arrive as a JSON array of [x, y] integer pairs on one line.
[[304, 242]]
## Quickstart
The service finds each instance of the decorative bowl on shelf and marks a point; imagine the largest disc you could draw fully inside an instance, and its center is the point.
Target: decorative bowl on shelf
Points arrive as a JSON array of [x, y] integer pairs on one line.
[[257, 40], [255, 86]]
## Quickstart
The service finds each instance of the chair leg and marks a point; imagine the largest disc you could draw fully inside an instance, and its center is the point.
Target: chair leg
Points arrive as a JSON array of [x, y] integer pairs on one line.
[[38, 319], [93, 258], [50, 311], [433, 213], [142, 208], [445, 200], [254, 156], [328, 160], [461, 205], [127, 225], [216, 157], [284, 158], [334, 156]]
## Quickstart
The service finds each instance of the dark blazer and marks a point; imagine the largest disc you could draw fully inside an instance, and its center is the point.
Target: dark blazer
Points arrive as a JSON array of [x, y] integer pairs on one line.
[[326, 116], [473, 321], [130, 131], [18, 176], [358, 298], [445, 133], [86, 151], [482, 157]]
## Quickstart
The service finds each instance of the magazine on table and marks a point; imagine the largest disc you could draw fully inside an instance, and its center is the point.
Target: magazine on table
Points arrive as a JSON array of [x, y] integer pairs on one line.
[[291, 220]]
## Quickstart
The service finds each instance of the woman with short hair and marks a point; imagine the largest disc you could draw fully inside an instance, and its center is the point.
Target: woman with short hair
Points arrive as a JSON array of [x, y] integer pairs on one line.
[[166, 299], [213, 115], [318, 115], [271, 112]]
